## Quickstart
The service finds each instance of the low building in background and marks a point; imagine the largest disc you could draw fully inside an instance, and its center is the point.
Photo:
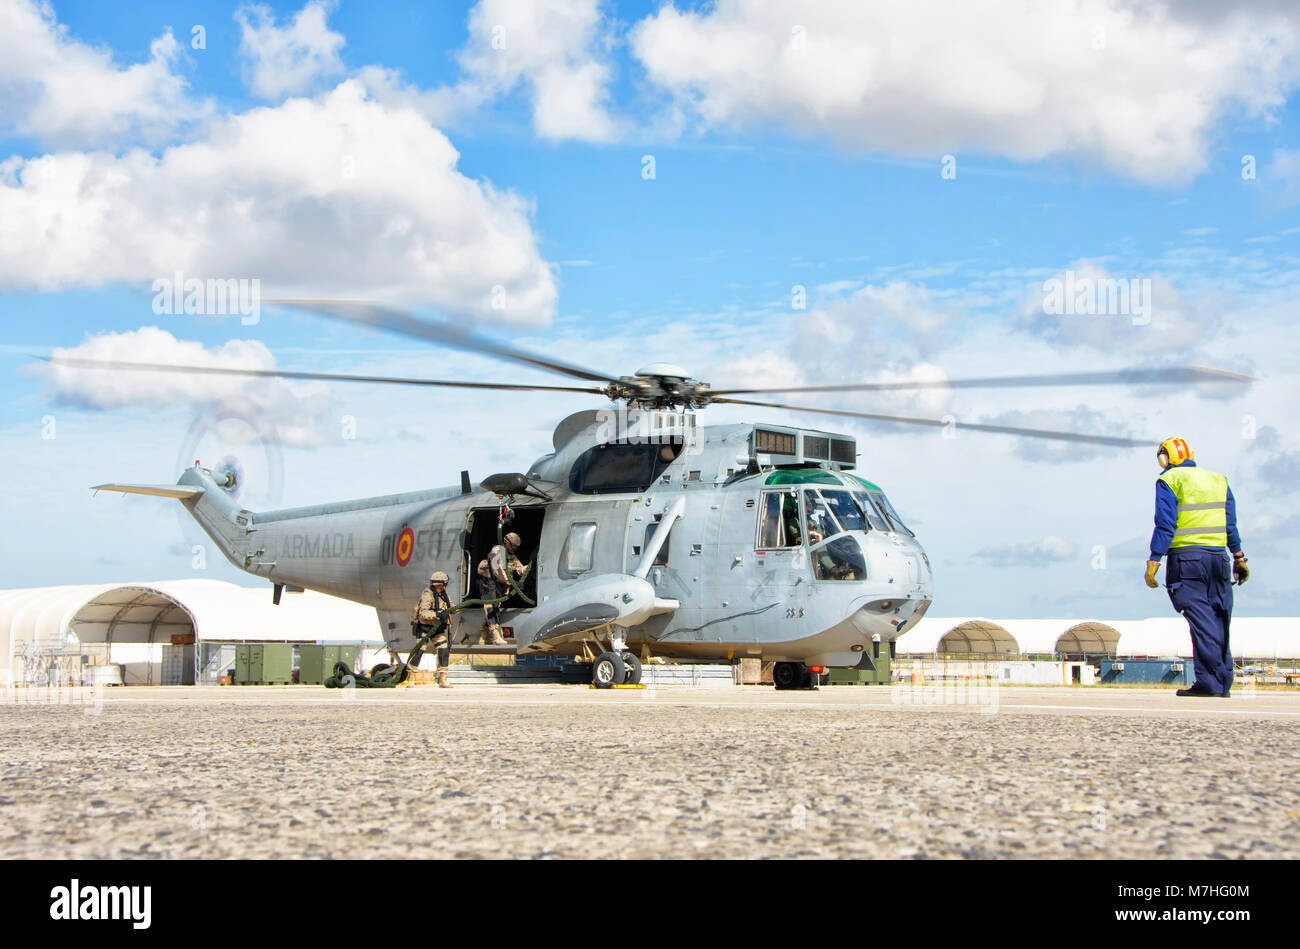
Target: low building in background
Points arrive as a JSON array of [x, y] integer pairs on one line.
[[170, 632]]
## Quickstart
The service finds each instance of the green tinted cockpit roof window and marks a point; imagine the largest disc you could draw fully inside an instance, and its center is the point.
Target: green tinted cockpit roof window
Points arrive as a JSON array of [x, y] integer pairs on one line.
[[864, 481], [803, 476]]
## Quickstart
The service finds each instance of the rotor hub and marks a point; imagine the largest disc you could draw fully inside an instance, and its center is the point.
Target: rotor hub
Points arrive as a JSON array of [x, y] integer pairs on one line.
[[660, 385]]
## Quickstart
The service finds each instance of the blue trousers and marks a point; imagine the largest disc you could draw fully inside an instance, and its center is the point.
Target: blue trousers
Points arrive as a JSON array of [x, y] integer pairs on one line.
[[1200, 586]]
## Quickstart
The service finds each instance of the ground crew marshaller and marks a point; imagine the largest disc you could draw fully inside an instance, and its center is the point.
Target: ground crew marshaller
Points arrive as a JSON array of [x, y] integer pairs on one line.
[[1196, 519], [493, 580], [433, 612]]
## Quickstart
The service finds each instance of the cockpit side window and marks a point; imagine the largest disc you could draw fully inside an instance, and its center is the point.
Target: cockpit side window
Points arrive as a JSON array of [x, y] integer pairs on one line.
[[778, 511]]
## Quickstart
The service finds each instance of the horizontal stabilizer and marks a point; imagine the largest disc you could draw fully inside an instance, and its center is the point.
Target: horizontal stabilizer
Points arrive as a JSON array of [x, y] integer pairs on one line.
[[180, 492]]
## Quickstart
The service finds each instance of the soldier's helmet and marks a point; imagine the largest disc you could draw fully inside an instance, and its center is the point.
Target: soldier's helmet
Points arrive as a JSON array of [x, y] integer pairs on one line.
[[513, 539], [438, 577]]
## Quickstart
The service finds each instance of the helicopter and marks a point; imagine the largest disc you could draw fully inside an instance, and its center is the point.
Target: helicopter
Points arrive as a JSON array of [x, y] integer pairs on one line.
[[647, 534]]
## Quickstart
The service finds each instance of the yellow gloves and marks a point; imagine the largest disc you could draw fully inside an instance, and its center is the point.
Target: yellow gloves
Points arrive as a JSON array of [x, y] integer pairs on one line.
[[1240, 572], [1239, 569]]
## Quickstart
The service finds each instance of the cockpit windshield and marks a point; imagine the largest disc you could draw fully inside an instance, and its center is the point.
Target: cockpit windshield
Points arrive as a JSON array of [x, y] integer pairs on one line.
[[831, 511], [869, 511], [896, 522], [821, 523]]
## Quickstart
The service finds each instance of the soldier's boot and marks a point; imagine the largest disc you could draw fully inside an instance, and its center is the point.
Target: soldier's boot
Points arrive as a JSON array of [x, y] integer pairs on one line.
[[495, 638], [444, 660]]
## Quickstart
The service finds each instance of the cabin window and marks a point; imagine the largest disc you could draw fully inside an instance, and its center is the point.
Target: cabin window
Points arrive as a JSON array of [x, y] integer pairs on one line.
[[579, 549], [613, 469]]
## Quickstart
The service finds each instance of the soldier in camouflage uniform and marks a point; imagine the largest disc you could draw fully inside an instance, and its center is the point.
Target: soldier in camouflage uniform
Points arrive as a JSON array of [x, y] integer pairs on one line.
[[434, 611], [493, 582]]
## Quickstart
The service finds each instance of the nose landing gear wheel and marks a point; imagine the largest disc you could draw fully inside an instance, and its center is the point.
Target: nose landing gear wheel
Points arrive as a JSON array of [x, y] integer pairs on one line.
[[608, 670], [633, 666]]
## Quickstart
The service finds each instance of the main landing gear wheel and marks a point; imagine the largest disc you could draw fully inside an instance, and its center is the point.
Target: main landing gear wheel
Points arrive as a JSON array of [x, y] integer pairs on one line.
[[633, 666], [791, 675], [608, 670]]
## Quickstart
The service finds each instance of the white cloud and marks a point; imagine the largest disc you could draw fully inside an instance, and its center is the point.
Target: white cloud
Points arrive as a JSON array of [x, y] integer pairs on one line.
[[1137, 89], [554, 46], [555, 49], [925, 403], [895, 320], [761, 370], [64, 92], [288, 60], [333, 196], [288, 411], [1038, 553], [1082, 419], [1275, 470], [1156, 319]]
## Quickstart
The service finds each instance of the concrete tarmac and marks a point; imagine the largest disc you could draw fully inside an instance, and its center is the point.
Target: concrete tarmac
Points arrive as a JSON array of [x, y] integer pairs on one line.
[[533, 771]]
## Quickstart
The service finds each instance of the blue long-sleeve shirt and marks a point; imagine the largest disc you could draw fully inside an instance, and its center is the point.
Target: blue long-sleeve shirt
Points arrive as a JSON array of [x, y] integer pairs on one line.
[[1167, 519]]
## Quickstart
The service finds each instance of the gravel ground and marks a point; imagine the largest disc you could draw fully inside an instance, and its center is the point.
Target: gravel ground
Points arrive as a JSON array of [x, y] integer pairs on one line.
[[535, 771]]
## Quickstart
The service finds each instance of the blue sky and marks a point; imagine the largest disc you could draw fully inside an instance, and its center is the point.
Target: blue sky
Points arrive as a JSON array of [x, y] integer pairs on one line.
[[789, 149]]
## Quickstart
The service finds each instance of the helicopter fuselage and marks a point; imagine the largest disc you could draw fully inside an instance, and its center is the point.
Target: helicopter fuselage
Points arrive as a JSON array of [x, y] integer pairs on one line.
[[673, 540]]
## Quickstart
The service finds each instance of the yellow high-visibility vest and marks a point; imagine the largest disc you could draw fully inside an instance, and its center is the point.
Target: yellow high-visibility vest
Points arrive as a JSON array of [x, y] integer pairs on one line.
[[1202, 506]]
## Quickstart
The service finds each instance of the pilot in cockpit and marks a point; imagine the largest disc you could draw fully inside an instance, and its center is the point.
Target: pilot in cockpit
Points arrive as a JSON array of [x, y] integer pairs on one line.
[[817, 518]]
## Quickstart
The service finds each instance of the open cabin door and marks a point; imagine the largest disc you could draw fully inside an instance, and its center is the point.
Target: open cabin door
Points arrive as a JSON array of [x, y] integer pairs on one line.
[[481, 535]]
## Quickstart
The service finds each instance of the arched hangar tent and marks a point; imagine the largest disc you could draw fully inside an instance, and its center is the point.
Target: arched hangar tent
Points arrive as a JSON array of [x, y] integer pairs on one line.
[[1090, 637], [1251, 637], [135, 620], [934, 635]]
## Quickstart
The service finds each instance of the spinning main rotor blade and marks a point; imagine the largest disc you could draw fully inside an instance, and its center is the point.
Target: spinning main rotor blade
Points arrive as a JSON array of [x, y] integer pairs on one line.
[[1184, 374], [403, 323], [289, 374], [972, 426]]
